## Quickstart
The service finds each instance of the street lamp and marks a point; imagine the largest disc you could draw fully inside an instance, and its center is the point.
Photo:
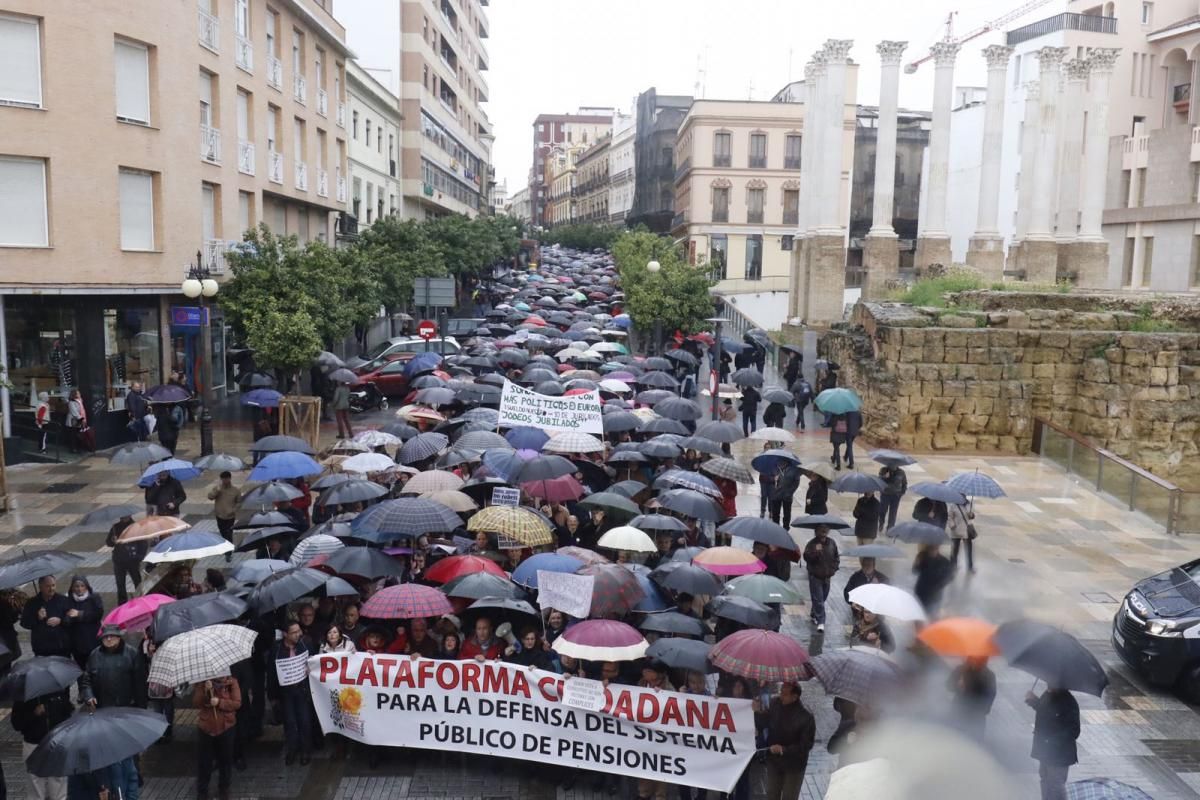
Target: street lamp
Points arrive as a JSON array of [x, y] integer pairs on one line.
[[199, 285], [714, 363], [652, 266]]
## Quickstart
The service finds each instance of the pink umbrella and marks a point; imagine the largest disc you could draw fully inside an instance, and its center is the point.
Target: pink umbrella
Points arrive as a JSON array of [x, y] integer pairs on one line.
[[760, 655], [138, 613], [582, 554], [555, 490], [407, 601], [601, 640], [621, 375], [728, 561]]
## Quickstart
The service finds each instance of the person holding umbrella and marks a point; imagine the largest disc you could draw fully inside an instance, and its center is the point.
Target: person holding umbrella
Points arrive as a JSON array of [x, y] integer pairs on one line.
[[165, 495], [822, 559], [749, 407], [816, 500], [843, 430], [34, 718], [126, 557], [866, 519], [115, 674], [791, 731], [1055, 729], [787, 483], [973, 687], [934, 572], [895, 485], [341, 409], [866, 574], [288, 683], [961, 530], [44, 616], [218, 701], [802, 395]]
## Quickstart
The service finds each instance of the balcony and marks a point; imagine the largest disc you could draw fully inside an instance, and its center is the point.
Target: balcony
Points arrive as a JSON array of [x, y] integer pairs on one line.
[[322, 103], [300, 89], [683, 168], [243, 54], [758, 162], [340, 187], [322, 183], [274, 73], [341, 115], [275, 167], [791, 216], [791, 162], [1088, 23], [210, 31], [1181, 97], [722, 160], [245, 157], [210, 144], [213, 256], [302, 176]]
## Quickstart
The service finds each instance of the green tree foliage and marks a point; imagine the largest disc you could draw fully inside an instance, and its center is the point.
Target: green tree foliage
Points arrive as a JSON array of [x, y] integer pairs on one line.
[[396, 252], [677, 294], [288, 340], [583, 236]]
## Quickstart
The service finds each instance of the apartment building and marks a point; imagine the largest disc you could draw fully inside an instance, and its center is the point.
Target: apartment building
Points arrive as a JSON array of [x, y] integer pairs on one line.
[[621, 167], [552, 132], [658, 119], [374, 164], [111, 183], [518, 206], [591, 183], [561, 170]]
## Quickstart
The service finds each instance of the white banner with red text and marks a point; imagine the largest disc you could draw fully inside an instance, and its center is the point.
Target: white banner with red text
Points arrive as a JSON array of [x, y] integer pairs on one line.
[[512, 711]]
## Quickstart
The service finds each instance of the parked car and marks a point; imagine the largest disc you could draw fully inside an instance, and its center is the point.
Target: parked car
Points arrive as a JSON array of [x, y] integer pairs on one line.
[[388, 376], [463, 326], [402, 344], [1157, 629]]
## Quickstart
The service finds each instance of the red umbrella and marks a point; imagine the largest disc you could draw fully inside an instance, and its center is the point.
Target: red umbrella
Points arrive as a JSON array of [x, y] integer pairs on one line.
[[761, 656], [601, 640], [407, 601], [573, 392], [555, 490], [453, 567], [534, 319], [615, 590]]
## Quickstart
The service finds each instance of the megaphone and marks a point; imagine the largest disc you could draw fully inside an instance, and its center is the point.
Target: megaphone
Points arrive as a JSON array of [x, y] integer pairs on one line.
[[505, 632]]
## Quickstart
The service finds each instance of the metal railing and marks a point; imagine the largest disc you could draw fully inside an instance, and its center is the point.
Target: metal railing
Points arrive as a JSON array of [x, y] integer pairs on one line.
[[214, 256], [302, 176], [210, 31], [274, 73], [275, 167], [300, 89], [322, 103], [245, 157], [340, 187], [243, 53], [322, 183], [210, 144], [1164, 502], [722, 160], [1088, 23], [737, 324]]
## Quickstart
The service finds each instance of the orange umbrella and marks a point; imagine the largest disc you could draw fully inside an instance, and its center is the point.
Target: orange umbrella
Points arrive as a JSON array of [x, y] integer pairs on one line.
[[961, 637], [152, 527], [728, 561]]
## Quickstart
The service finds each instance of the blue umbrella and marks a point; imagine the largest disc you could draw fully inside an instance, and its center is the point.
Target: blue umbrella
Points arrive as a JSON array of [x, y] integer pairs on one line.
[[422, 362], [526, 572], [770, 461], [975, 484], [178, 468], [527, 438], [653, 601], [622, 321], [838, 401], [285, 465], [263, 398], [938, 491]]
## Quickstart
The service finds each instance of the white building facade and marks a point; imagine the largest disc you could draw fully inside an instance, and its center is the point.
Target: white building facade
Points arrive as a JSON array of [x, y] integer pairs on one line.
[[373, 157], [621, 166]]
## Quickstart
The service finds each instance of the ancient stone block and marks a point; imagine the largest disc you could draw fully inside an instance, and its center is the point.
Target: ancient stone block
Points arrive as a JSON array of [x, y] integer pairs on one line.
[[914, 337], [1064, 372], [927, 422], [985, 442], [956, 321], [984, 405], [911, 354], [1095, 370], [963, 405], [1047, 355], [1002, 338], [989, 372], [955, 355], [953, 389], [945, 441], [904, 441], [968, 372], [928, 372], [1158, 376], [933, 353], [1057, 339], [922, 441], [965, 441], [948, 372], [973, 423], [978, 355], [1043, 370], [918, 405], [940, 405]]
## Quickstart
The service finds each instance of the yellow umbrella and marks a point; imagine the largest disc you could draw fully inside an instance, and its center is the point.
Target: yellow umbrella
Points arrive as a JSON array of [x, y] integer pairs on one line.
[[519, 524]]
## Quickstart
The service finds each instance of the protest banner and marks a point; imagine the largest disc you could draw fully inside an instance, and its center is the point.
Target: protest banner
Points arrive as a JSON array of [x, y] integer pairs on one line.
[[522, 407], [570, 594], [507, 710]]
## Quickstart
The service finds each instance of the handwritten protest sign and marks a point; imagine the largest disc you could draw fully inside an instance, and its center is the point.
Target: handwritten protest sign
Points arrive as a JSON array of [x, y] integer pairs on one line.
[[584, 693], [522, 407], [570, 594]]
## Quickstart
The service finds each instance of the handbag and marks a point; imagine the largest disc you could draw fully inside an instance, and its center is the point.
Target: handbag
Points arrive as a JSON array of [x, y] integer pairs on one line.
[[971, 532]]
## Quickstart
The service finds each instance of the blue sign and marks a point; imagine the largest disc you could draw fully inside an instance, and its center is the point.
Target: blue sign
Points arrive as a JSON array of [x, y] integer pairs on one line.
[[188, 316]]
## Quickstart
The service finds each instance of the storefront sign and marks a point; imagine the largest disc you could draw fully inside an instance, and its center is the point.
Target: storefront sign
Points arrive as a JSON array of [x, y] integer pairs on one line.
[[188, 316], [520, 406], [506, 710]]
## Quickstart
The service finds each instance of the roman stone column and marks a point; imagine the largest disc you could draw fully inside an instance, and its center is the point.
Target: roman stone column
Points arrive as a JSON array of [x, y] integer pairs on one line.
[[813, 72], [1087, 256], [827, 248], [933, 243], [1029, 138], [881, 251], [985, 252], [1039, 254], [1070, 152]]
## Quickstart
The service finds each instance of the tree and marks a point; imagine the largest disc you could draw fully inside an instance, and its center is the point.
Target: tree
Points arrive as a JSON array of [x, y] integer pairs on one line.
[[286, 340], [396, 252], [677, 295]]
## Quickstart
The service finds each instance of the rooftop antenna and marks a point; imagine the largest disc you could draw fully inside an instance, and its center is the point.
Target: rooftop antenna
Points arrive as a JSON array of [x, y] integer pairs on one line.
[[750, 95]]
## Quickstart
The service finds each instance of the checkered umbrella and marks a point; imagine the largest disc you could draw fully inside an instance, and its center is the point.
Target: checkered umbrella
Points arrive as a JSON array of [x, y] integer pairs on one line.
[[615, 590], [433, 480], [761, 655], [407, 601], [518, 524], [309, 548], [404, 517], [859, 674], [573, 442], [364, 463], [421, 447], [1104, 789], [377, 438], [481, 440], [728, 469], [200, 655], [976, 484]]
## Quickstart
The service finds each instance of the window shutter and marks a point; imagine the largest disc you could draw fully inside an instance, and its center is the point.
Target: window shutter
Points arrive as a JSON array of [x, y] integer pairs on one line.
[[23, 202], [133, 82], [137, 210], [20, 62]]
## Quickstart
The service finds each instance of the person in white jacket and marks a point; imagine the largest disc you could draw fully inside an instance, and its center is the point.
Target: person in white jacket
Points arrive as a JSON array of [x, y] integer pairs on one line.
[[958, 525]]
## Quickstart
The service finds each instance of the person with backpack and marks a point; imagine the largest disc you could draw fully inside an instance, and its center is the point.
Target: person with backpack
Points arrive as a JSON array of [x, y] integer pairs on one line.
[[802, 393], [844, 429], [749, 403]]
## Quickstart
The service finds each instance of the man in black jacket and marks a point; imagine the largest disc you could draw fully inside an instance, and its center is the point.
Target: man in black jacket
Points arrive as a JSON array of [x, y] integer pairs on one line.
[[34, 719], [791, 731], [1055, 729], [782, 494], [126, 558], [288, 687], [165, 495], [115, 674], [44, 616], [822, 559]]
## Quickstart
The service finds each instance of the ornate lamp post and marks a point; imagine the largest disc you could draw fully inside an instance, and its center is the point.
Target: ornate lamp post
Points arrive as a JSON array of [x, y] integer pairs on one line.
[[200, 285], [653, 267]]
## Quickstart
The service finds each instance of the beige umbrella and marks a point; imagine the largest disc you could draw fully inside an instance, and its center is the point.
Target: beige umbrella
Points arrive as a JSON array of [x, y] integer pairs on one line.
[[454, 500], [152, 527], [433, 480], [820, 468]]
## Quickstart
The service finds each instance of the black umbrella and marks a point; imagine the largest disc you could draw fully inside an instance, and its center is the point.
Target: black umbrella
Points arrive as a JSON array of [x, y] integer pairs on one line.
[[915, 532], [498, 610], [1051, 655], [874, 551], [31, 566], [857, 483], [891, 458], [436, 396], [689, 578], [401, 429], [94, 739], [702, 445], [673, 622], [658, 363], [774, 394], [38, 676], [610, 503], [478, 585], [594, 475], [665, 425], [628, 457], [279, 444], [791, 348], [681, 654], [621, 421], [678, 408], [103, 518], [139, 454], [759, 529], [255, 538], [682, 357], [266, 495], [265, 519], [363, 562], [743, 610], [747, 376], [166, 393], [550, 388], [827, 520], [284, 587], [720, 431], [628, 489], [328, 360], [691, 504], [938, 491], [658, 380], [660, 448], [195, 612], [352, 491], [651, 397], [256, 380], [480, 489], [658, 522]]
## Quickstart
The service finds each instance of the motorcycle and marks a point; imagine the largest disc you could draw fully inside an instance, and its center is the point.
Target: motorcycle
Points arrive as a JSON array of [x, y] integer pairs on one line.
[[367, 396]]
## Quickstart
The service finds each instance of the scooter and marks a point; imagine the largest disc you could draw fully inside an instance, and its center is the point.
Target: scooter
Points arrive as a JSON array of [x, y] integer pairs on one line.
[[367, 396]]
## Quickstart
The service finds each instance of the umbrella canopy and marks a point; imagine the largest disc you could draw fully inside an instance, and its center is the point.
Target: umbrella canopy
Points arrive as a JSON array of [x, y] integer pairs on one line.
[[433, 480], [513, 467], [103, 518], [759, 529], [601, 640], [960, 637], [915, 532], [279, 444], [352, 491], [403, 517], [139, 454], [523, 526], [421, 447], [481, 440], [377, 438], [479, 585], [136, 614], [29, 567], [838, 401], [777, 394], [857, 483], [200, 655], [266, 495], [685, 479], [975, 484], [177, 468], [188, 546], [610, 503], [573, 442], [456, 501], [859, 675], [615, 590], [524, 438], [728, 469], [888, 601], [262, 398], [773, 435], [681, 654], [256, 570], [364, 463], [747, 376], [678, 408], [284, 587], [220, 462], [38, 676], [728, 561], [874, 551], [690, 579], [938, 491], [193, 613], [743, 610], [675, 623], [285, 464], [407, 601], [555, 490], [526, 573], [451, 567], [621, 421], [891, 458], [770, 462], [763, 589], [691, 504], [1104, 789], [761, 655], [831, 521], [310, 547], [1051, 655], [822, 469], [361, 562], [95, 739], [626, 537], [720, 431]]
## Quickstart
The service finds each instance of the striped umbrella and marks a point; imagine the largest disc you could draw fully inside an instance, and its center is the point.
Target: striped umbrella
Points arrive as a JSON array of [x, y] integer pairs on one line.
[[309, 548], [573, 442], [403, 517], [601, 640], [189, 546], [407, 601], [761, 655], [433, 480], [516, 523], [451, 567], [615, 590], [421, 447], [200, 655], [685, 479]]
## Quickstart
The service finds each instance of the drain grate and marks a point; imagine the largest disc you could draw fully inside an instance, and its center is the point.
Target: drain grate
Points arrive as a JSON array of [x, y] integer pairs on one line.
[[1180, 755], [1099, 597], [63, 488]]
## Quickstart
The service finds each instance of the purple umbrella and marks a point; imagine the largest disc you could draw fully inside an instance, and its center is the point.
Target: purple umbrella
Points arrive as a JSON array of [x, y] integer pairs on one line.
[[601, 640], [168, 393]]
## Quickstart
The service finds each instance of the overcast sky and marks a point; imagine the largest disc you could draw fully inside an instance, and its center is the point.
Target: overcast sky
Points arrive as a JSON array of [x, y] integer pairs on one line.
[[552, 56]]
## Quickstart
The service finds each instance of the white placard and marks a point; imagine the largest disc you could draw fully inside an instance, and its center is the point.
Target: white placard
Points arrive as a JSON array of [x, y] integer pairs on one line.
[[291, 671], [583, 693], [562, 591], [523, 407], [506, 496]]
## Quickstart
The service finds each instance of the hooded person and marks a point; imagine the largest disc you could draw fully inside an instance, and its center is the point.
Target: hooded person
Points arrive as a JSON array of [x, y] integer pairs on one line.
[[115, 675], [85, 609]]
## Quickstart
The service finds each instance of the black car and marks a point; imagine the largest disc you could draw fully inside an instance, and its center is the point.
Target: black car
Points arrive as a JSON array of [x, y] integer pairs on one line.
[[463, 327], [1157, 629]]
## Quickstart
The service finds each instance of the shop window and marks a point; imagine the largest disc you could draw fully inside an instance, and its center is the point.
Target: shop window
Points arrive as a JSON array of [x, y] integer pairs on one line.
[[131, 351], [41, 351]]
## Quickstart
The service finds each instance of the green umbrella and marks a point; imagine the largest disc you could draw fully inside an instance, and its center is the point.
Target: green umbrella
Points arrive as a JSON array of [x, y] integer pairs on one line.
[[762, 589], [838, 401]]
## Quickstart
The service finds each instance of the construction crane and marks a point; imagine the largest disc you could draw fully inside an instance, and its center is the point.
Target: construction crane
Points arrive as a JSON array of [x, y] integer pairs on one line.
[[987, 27]]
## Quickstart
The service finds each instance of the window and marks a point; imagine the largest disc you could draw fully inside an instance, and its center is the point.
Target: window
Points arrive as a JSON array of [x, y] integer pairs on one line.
[[1126, 187], [241, 18], [718, 256], [354, 125], [136, 193], [273, 129], [791, 151], [272, 34], [208, 212], [786, 242], [298, 139], [754, 205], [754, 257], [720, 204], [20, 62], [243, 115], [319, 68], [206, 99], [1127, 262], [297, 53], [1195, 281], [1195, 181], [1147, 13], [758, 150], [379, 139], [791, 207], [23, 202], [722, 149], [245, 211], [133, 82], [367, 125]]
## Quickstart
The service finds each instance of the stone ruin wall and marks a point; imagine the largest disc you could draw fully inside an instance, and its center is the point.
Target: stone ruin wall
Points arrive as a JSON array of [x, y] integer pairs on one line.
[[940, 379]]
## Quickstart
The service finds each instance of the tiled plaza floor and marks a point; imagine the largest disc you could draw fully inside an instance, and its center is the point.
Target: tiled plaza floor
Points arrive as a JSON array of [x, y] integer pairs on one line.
[[1052, 549]]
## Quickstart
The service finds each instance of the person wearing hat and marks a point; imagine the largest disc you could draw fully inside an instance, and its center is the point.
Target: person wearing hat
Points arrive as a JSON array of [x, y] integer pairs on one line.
[[115, 674], [790, 732]]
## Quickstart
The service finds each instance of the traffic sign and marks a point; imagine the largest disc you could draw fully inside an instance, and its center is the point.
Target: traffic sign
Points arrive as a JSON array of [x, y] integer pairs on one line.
[[427, 329]]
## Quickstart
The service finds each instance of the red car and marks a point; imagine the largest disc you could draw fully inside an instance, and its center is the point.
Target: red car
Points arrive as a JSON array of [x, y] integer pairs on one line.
[[387, 376]]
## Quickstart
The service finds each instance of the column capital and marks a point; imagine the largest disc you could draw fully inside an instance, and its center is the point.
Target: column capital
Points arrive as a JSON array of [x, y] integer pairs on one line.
[[944, 53], [997, 56], [818, 65], [890, 52], [1050, 58], [1103, 58], [1077, 70], [1033, 90], [836, 50]]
